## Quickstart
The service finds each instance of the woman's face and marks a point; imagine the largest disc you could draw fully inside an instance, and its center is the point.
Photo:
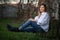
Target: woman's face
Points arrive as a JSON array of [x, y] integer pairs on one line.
[[42, 8]]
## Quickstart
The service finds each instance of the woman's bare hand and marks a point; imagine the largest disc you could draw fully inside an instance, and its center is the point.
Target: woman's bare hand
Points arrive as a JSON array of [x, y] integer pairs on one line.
[[31, 19]]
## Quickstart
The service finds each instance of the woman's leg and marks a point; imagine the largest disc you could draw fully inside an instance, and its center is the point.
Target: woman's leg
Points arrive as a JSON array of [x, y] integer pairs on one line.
[[28, 29], [26, 24], [34, 25], [10, 28]]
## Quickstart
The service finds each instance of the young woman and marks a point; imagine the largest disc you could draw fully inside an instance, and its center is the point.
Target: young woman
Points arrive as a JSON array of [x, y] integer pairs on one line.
[[40, 22]]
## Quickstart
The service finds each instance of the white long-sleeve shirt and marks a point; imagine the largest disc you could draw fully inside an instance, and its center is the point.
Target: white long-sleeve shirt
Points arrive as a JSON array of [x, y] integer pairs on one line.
[[43, 21]]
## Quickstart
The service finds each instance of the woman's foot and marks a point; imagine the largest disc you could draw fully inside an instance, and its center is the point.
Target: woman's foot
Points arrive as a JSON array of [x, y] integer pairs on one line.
[[9, 27]]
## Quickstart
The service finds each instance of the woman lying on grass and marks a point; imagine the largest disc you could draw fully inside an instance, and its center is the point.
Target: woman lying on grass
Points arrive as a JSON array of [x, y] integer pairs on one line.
[[40, 22]]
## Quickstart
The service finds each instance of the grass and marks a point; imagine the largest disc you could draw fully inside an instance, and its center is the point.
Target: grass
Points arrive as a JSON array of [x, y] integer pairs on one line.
[[8, 35]]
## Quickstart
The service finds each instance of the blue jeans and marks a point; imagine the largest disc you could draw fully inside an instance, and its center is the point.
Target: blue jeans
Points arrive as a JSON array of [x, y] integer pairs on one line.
[[34, 26]]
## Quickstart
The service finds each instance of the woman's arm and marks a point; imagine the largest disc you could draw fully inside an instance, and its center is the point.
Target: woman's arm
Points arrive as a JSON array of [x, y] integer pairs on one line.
[[31, 19], [43, 19]]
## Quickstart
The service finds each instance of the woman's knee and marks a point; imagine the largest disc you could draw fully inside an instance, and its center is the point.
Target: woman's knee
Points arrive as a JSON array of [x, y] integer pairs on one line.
[[31, 21], [28, 21]]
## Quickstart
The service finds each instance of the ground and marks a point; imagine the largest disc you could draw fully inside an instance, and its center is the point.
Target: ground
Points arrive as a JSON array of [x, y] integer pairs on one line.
[[8, 35]]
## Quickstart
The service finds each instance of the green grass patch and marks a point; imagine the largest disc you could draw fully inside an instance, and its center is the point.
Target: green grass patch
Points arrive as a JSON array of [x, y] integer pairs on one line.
[[8, 35]]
